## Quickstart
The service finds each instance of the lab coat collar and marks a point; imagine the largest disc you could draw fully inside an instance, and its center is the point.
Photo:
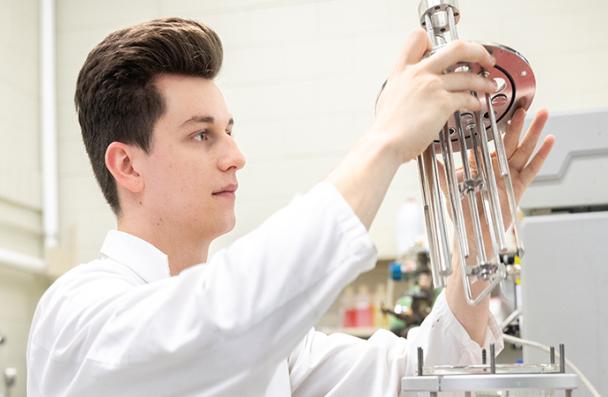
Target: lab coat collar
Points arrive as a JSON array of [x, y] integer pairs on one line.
[[147, 261]]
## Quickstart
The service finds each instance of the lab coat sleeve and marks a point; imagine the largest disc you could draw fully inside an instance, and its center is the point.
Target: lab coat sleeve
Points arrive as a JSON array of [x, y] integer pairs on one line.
[[214, 326], [342, 365]]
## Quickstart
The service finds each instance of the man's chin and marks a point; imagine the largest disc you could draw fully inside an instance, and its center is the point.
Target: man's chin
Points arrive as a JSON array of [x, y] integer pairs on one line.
[[226, 227]]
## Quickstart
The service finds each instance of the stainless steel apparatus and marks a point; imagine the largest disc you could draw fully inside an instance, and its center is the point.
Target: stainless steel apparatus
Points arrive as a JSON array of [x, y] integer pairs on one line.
[[465, 146]]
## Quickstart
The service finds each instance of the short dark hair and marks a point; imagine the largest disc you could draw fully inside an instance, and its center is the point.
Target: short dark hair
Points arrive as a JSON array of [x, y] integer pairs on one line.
[[116, 99]]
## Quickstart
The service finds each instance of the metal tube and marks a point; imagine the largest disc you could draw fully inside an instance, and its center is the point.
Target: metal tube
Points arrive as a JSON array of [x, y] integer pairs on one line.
[[430, 222], [454, 191], [428, 25], [439, 212], [513, 204], [492, 188], [438, 266], [452, 24], [500, 150]]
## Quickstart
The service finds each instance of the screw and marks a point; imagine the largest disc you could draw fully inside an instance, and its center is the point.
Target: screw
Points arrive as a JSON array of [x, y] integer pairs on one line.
[[420, 361]]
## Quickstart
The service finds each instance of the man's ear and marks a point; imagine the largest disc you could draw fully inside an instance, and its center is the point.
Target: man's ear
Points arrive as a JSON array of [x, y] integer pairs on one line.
[[120, 160]]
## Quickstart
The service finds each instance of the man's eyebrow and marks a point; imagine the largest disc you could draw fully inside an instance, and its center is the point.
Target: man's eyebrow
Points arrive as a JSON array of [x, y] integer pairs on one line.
[[205, 119]]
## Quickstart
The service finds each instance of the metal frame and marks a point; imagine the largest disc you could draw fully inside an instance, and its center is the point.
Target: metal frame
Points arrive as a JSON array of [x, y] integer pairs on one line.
[[490, 382], [490, 377]]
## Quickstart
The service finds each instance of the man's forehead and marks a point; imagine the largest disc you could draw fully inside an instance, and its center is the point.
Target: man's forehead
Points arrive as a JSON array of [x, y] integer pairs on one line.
[[189, 100]]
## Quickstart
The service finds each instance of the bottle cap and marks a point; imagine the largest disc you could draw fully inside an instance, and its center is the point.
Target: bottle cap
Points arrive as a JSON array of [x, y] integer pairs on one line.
[[395, 271]]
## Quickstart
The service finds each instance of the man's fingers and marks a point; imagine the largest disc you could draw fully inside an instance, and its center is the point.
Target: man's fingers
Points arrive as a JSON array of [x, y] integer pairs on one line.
[[522, 154], [532, 169], [511, 139], [464, 101], [416, 45], [460, 51], [460, 81]]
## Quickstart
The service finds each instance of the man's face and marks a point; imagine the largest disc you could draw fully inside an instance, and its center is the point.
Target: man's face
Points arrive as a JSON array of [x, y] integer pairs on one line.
[[190, 170]]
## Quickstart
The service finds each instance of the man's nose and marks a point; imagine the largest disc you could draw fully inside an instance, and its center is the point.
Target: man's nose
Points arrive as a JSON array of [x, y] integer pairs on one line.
[[232, 157]]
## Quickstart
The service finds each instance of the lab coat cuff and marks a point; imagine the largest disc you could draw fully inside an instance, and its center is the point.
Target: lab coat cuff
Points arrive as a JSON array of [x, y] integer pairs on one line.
[[470, 350], [361, 244]]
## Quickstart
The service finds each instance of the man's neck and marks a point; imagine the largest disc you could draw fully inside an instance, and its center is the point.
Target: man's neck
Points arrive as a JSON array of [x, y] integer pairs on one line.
[[181, 251]]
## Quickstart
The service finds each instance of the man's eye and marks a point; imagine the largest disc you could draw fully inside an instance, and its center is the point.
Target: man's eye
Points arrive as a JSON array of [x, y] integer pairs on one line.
[[202, 136]]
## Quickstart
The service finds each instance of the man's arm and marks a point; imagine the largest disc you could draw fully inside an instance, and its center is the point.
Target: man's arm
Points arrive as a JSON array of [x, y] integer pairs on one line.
[[222, 326]]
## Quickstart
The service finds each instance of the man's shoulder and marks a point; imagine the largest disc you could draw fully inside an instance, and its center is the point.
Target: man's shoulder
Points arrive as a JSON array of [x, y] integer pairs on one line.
[[88, 283], [98, 271], [77, 302]]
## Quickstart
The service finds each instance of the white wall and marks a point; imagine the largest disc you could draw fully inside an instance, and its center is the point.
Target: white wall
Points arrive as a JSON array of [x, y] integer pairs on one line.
[[20, 197], [20, 200], [301, 78]]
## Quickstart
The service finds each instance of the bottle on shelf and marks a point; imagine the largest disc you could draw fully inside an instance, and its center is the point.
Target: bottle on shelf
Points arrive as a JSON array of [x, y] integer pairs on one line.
[[347, 308], [363, 308], [380, 317]]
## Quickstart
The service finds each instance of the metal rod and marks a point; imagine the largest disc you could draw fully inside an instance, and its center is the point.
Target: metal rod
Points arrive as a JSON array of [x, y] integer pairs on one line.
[[513, 204], [420, 361], [492, 358], [492, 188], [439, 212], [562, 358], [430, 222], [500, 150], [452, 24], [454, 191], [484, 358], [428, 24]]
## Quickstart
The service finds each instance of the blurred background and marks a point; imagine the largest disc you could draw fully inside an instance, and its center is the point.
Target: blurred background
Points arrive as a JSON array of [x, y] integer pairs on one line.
[[300, 77]]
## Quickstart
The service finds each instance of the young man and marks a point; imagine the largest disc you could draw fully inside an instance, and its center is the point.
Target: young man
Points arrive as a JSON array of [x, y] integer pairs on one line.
[[152, 317]]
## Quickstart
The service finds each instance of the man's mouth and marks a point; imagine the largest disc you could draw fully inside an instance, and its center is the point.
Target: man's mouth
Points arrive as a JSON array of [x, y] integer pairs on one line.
[[226, 191]]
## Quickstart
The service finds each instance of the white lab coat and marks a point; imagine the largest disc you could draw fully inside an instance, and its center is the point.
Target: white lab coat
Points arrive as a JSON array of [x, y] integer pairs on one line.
[[239, 325]]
